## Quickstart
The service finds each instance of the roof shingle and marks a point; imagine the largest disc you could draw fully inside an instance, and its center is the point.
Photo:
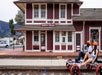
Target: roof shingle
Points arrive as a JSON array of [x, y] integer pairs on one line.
[[55, 28], [89, 14]]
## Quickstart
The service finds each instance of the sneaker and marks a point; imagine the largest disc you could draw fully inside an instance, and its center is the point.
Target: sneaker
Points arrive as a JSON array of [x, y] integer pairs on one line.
[[81, 61]]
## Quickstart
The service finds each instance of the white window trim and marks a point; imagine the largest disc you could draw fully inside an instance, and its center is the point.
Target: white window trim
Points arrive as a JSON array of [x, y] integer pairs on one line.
[[55, 37], [37, 42], [72, 11], [60, 10], [80, 41], [37, 50], [39, 11], [45, 41], [45, 19], [63, 43], [63, 37], [99, 28], [72, 38]]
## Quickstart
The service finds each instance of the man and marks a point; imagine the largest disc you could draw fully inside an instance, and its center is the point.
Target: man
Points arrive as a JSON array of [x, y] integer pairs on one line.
[[91, 58], [82, 53]]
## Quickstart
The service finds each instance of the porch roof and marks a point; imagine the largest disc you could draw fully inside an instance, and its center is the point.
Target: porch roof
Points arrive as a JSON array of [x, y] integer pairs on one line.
[[89, 14], [39, 27]]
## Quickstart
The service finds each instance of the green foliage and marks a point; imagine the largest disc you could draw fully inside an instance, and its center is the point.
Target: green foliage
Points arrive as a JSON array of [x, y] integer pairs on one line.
[[20, 18], [11, 25]]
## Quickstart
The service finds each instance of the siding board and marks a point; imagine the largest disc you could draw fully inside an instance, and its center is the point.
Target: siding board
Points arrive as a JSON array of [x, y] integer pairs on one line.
[[29, 40], [76, 9], [29, 11], [50, 11], [69, 11], [50, 40], [56, 11]]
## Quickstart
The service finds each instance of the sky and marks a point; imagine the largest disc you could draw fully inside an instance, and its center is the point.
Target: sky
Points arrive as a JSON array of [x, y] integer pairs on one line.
[[8, 9]]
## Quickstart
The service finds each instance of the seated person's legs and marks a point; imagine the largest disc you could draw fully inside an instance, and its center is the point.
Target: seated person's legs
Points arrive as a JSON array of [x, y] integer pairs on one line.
[[87, 55], [80, 55], [86, 62]]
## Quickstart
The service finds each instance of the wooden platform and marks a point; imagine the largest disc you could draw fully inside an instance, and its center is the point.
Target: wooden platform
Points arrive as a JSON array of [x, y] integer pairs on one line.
[[20, 53]]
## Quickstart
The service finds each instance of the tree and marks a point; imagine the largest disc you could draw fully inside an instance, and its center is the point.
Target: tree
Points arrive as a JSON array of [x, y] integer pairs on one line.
[[11, 25], [20, 17]]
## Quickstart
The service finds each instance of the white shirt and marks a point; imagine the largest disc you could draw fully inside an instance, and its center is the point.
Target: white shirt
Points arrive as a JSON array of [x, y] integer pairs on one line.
[[89, 49]]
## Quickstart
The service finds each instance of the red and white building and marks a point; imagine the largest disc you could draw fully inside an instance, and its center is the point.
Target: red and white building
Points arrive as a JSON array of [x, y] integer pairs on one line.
[[59, 25]]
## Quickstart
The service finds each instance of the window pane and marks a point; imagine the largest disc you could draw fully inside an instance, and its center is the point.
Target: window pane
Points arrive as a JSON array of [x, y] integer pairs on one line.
[[63, 36], [56, 36], [63, 39], [43, 11], [63, 33], [36, 36], [36, 11], [62, 11], [69, 36], [42, 39], [95, 35]]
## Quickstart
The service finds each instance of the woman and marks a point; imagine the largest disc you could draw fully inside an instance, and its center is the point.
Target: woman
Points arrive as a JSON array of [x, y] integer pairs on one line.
[[83, 53], [91, 57]]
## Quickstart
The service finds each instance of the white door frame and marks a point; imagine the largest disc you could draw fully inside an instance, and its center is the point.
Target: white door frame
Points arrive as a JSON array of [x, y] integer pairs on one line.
[[45, 40], [80, 41]]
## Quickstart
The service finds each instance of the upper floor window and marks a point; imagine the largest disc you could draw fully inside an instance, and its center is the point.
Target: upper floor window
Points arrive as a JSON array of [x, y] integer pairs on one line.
[[43, 11], [39, 11], [62, 11], [36, 11]]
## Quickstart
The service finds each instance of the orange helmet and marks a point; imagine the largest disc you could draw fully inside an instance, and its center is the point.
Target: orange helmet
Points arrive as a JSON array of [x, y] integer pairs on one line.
[[89, 42], [95, 43]]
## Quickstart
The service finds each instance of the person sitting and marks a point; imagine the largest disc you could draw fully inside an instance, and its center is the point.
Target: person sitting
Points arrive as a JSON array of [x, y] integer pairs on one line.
[[91, 57], [82, 53]]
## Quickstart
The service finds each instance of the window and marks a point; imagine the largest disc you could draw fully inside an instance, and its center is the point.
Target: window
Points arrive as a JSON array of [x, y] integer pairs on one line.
[[43, 11], [62, 11], [36, 11], [56, 36], [43, 39], [63, 36], [39, 11], [63, 39], [69, 36], [95, 35], [36, 36]]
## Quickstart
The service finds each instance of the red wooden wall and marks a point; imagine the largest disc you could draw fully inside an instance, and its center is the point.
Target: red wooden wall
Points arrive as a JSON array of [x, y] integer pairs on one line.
[[28, 40], [29, 11], [49, 40], [76, 9]]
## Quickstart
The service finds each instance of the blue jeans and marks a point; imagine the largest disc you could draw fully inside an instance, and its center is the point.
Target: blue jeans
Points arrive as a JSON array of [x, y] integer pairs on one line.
[[81, 55]]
